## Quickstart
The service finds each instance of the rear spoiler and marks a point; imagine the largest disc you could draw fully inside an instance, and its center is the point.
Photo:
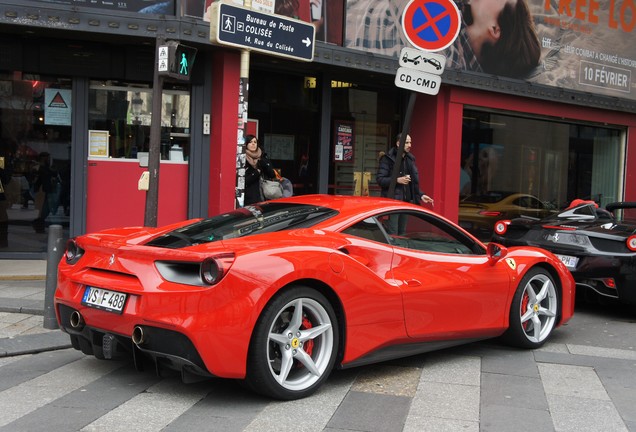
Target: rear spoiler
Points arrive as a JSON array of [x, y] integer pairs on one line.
[[620, 205]]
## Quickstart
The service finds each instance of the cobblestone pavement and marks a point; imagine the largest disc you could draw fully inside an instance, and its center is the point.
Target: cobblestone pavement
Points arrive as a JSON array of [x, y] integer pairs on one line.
[[582, 380]]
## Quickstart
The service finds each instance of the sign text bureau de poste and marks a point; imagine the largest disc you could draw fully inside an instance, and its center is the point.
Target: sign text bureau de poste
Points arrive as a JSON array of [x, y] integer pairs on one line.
[[257, 31]]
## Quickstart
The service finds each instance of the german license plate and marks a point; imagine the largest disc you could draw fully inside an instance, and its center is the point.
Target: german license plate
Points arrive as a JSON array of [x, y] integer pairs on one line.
[[569, 261], [100, 298]]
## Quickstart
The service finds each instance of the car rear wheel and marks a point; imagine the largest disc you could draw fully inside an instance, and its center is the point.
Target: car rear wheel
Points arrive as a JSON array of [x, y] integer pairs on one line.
[[534, 310], [294, 345]]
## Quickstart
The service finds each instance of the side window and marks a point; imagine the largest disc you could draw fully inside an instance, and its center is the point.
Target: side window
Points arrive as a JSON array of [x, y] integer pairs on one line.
[[427, 233], [368, 229]]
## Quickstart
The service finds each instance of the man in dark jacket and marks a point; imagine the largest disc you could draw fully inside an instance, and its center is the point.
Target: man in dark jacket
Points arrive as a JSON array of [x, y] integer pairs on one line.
[[407, 187]]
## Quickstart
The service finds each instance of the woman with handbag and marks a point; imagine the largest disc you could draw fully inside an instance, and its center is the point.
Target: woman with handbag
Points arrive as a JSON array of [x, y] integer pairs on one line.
[[257, 165]]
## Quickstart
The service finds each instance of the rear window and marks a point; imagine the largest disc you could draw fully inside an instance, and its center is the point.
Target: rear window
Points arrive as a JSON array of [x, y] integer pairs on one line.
[[246, 221]]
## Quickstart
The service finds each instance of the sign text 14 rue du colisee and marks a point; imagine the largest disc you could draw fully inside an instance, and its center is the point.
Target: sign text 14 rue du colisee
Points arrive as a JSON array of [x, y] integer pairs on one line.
[[266, 33]]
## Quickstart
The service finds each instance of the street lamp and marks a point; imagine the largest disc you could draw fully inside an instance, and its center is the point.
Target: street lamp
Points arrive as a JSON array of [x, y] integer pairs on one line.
[[135, 107]]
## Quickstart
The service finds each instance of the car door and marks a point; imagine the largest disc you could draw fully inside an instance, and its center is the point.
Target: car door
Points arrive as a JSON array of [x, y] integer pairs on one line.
[[450, 288], [382, 298]]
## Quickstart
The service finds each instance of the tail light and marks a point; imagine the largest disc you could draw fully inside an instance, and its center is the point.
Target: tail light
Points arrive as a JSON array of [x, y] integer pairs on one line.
[[609, 282], [73, 252], [631, 243], [501, 227], [490, 213], [559, 227], [206, 273], [214, 269]]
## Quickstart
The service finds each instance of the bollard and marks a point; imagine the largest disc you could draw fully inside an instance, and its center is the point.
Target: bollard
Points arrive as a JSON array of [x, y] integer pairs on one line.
[[55, 251]]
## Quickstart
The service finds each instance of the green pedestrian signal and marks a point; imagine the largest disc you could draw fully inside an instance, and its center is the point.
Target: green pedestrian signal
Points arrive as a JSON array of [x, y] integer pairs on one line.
[[180, 60]]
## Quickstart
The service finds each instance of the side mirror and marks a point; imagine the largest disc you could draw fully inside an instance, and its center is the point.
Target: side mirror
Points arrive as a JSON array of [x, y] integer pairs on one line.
[[495, 252]]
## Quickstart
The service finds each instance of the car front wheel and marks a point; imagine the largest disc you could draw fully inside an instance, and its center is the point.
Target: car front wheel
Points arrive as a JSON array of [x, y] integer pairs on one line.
[[534, 310], [294, 345]]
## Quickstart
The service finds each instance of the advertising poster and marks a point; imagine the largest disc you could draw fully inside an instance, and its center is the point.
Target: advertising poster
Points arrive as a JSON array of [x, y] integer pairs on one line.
[[160, 7], [325, 15], [584, 46], [343, 151]]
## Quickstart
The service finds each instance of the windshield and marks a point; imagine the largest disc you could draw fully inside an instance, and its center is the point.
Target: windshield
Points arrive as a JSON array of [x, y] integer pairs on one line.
[[250, 220]]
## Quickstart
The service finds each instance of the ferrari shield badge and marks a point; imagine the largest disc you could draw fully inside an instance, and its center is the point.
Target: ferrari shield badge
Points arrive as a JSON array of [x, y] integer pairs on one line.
[[511, 262]]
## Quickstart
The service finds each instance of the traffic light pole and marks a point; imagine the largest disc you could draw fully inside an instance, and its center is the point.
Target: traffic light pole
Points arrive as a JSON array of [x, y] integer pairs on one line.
[[154, 151]]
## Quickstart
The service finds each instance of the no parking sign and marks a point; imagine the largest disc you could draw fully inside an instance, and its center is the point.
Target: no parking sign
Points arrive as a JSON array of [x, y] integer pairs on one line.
[[431, 25]]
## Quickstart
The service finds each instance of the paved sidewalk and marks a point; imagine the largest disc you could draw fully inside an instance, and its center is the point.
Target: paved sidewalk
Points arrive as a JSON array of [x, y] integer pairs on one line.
[[22, 295]]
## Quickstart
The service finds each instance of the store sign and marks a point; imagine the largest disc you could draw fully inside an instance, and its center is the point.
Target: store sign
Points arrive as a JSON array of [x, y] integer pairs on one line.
[[157, 7], [270, 34]]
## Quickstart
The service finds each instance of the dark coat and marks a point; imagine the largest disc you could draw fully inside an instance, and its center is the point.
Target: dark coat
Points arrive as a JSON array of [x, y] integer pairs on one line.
[[252, 179], [385, 170]]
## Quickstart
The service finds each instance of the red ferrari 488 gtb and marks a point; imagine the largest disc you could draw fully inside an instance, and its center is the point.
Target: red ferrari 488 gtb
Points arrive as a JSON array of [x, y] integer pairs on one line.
[[279, 293]]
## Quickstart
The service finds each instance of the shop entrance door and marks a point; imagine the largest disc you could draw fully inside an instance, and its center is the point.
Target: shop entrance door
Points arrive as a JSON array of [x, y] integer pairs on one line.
[[362, 132]]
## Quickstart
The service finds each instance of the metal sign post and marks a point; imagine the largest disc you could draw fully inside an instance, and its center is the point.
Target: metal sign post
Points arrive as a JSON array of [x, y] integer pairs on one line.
[[431, 25]]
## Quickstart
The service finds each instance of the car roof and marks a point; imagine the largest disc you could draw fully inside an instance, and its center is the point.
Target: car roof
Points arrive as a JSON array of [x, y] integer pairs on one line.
[[346, 204]]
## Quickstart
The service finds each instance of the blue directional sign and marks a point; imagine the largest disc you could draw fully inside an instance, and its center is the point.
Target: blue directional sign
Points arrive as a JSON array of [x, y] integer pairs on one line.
[[257, 31]]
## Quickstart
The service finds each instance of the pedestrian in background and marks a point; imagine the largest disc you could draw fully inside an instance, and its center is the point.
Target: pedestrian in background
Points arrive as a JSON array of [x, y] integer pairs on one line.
[[257, 165], [407, 187]]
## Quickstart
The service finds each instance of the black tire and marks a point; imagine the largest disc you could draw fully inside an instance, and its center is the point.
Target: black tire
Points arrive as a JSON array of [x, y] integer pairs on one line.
[[534, 310], [294, 345]]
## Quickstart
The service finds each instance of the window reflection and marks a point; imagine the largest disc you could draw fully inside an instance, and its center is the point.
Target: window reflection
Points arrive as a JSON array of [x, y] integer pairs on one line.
[[125, 111], [513, 166]]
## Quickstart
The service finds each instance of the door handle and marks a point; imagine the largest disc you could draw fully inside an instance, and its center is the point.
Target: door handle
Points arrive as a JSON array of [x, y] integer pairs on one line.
[[413, 283]]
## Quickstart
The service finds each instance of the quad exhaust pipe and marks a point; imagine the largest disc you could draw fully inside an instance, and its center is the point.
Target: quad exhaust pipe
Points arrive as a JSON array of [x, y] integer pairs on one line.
[[138, 336], [76, 320]]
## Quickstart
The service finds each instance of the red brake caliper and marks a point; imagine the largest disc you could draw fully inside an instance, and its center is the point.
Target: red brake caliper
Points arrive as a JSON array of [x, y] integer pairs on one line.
[[309, 345], [524, 307]]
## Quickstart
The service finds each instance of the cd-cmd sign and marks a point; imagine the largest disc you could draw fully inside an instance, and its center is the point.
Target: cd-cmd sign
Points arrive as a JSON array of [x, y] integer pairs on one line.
[[420, 71]]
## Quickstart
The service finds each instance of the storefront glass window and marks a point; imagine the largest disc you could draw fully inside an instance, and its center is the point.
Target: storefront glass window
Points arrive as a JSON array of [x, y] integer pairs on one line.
[[363, 127], [125, 113], [35, 159], [514, 166]]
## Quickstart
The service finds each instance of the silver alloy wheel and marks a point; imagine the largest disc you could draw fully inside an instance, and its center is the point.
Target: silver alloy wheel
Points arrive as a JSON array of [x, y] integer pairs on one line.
[[300, 344], [539, 305]]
